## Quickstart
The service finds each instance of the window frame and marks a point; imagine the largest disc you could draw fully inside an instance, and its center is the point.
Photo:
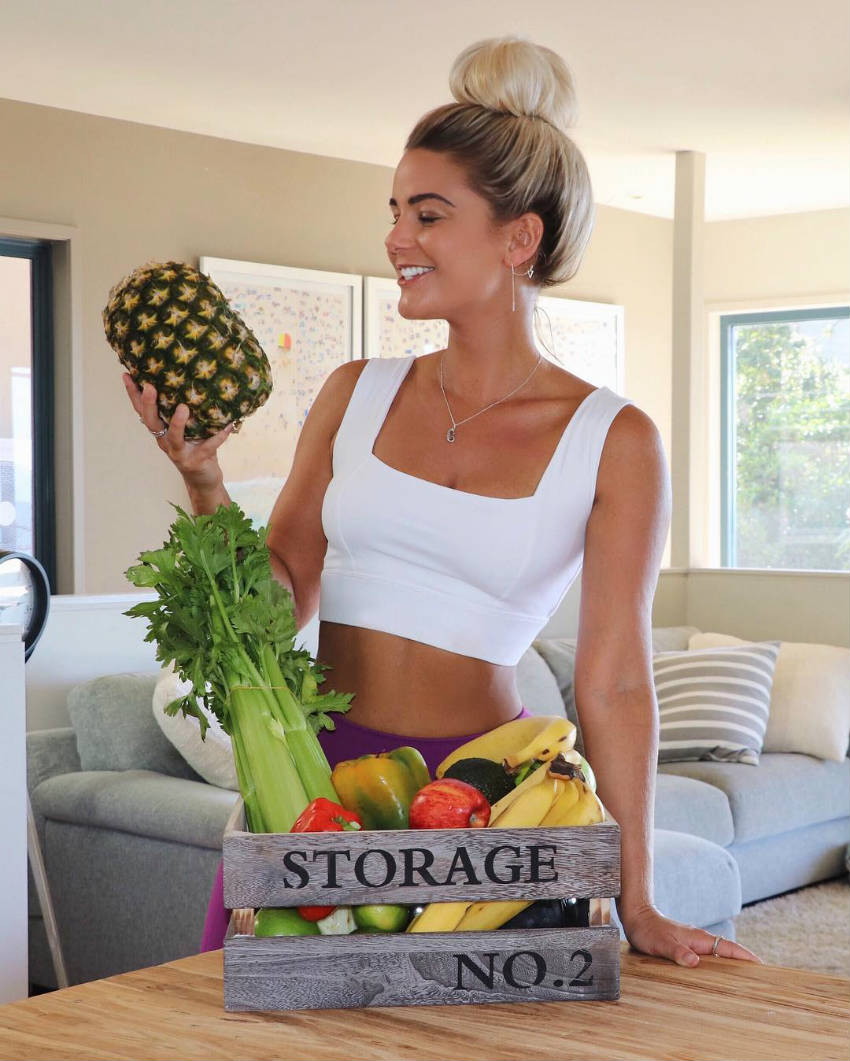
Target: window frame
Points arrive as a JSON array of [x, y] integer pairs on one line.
[[39, 254], [728, 437]]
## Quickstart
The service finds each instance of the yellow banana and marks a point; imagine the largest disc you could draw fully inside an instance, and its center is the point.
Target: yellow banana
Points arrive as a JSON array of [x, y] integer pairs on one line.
[[585, 810], [498, 742], [439, 917], [484, 917], [568, 795], [535, 778], [558, 736], [529, 807]]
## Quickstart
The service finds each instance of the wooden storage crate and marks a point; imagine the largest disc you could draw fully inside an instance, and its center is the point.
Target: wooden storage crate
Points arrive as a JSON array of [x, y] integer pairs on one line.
[[414, 867]]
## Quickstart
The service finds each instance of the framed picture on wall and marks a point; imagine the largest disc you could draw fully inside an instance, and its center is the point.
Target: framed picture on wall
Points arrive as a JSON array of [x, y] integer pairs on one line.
[[386, 333], [307, 322], [587, 338]]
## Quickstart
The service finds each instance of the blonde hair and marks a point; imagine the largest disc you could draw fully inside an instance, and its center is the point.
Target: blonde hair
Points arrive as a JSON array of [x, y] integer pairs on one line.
[[507, 128]]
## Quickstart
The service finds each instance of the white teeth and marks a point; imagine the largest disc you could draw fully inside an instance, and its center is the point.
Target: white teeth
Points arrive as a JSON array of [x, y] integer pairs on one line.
[[408, 272]]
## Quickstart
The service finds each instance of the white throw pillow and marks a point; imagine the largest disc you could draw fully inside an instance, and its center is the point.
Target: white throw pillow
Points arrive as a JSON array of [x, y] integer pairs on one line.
[[212, 758], [810, 699]]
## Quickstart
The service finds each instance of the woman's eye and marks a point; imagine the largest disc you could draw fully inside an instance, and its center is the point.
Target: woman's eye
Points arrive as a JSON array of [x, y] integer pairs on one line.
[[425, 219]]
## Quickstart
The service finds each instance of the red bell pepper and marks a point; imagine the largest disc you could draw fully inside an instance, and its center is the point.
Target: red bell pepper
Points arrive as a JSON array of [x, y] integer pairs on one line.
[[324, 816]]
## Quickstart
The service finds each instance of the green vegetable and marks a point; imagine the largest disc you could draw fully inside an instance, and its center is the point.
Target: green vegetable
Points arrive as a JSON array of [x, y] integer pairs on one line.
[[229, 627], [282, 921], [381, 917]]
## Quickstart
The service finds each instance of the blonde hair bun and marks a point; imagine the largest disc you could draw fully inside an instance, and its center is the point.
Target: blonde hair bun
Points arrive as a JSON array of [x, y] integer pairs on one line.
[[516, 76]]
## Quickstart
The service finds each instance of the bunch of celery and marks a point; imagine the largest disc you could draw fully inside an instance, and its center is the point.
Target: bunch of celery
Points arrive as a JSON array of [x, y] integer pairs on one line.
[[229, 627]]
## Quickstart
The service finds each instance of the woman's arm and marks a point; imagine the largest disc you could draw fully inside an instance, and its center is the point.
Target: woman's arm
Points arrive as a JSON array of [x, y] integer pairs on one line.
[[614, 687], [295, 539]]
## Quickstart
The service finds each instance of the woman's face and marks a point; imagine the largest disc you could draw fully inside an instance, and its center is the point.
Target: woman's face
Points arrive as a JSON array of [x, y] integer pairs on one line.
[[443, 227]]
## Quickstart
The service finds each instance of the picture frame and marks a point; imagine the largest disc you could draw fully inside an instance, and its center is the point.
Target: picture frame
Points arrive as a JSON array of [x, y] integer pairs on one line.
[[307, 321], [586, 338], [386, 333]]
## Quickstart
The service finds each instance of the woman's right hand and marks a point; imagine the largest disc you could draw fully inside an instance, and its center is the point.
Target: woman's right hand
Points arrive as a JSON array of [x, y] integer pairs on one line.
[[197, 462]]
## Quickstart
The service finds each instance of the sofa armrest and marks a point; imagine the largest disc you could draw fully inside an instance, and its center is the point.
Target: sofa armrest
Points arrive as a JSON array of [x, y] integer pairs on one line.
[[51, 752]]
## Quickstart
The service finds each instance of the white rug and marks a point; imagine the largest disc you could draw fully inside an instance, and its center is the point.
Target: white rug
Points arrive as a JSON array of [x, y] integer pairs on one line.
[[805, 929]]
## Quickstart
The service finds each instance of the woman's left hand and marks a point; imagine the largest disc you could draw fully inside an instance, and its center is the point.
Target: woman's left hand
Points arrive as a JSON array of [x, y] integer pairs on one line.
[[650, 932]]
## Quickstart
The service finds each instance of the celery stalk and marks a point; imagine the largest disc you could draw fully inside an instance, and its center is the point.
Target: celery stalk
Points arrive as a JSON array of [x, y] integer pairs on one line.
[[229, 628]]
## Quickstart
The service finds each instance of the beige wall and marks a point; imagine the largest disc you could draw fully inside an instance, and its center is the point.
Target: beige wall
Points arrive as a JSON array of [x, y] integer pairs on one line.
[[794, 257]]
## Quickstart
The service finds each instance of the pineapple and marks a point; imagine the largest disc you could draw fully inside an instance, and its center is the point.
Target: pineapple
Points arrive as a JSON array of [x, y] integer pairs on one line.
[[171, 326]]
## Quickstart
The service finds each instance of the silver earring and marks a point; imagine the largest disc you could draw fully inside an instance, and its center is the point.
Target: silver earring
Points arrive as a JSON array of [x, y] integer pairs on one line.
[[529, 274]]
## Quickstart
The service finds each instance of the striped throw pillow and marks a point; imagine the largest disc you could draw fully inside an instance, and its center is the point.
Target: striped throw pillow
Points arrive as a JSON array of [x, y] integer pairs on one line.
[[714, 703]]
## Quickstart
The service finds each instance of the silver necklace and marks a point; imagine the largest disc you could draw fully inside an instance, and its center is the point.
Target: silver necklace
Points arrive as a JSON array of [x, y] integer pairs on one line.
[[450, 434]]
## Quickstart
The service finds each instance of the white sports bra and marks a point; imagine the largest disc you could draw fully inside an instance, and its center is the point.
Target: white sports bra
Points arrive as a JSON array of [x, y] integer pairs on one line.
[[472, 574]]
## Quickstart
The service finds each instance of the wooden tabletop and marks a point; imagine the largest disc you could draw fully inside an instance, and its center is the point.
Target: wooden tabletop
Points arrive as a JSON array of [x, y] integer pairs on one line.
[[721, 1009]]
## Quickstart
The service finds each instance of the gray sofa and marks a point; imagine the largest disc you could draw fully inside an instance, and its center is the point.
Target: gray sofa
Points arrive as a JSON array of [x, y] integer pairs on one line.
[[132, 836]]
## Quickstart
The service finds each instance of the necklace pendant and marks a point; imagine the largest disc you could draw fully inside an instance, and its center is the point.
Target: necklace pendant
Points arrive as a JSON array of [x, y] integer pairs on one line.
[[450, 435]]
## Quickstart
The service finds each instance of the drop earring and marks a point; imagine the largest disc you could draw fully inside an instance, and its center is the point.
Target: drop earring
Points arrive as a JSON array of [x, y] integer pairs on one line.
[[529, 274]]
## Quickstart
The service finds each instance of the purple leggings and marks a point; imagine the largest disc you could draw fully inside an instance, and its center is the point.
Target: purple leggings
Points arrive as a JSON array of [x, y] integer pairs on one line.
[[347, 741]]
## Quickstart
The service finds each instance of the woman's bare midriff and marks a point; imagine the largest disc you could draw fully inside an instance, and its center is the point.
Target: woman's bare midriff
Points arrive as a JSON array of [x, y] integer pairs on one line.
[[407, 687]]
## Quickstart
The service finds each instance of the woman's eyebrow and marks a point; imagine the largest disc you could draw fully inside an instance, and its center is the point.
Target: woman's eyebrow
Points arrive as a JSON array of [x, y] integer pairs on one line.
[[414, 199]]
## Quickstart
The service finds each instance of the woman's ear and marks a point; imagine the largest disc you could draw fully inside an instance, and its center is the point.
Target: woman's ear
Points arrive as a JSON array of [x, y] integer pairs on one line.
[[525, 237]]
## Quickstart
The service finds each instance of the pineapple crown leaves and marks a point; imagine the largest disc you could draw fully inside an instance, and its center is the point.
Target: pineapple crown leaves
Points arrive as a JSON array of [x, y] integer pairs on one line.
[[217, 606]]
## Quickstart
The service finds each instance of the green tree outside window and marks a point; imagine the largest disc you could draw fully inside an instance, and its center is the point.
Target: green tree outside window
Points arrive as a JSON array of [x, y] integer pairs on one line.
[[787, 428]]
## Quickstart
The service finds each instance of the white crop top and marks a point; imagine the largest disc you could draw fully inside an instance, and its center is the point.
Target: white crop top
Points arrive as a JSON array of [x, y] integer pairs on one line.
[[476, 575]]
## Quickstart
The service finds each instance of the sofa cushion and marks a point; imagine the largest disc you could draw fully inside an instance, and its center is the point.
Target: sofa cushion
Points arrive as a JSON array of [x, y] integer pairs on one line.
[[784, 792], [116, 730], [810, 698], [685, 805], [696, 882], [536, 685], [713, 703], [559, 654], [139, 802], [50, 752]]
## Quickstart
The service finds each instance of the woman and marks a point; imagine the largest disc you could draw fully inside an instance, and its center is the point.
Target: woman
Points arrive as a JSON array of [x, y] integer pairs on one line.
[[441, 504]]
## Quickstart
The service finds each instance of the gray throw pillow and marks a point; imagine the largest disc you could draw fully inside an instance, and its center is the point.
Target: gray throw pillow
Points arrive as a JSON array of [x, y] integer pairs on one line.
[[559, 654], [116, 730]]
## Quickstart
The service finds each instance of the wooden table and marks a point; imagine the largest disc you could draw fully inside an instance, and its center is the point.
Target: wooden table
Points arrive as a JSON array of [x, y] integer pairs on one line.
[[721, 1009]]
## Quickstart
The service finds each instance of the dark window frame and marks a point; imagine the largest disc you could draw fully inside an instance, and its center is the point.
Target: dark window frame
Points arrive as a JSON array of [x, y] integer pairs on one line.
[[728, 440], [39, 254]]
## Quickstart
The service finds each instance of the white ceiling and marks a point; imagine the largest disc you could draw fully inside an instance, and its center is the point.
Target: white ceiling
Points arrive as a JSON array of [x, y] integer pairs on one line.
[[760, 86]]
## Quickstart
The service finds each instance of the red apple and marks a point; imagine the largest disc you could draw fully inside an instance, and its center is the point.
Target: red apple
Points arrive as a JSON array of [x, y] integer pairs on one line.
[[449, 804]]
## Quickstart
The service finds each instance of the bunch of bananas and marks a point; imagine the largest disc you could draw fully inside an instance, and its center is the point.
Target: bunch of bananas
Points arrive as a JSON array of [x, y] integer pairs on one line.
[[555, 793]]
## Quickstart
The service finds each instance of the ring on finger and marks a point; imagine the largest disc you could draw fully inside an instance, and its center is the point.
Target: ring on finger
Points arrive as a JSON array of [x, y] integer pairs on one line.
[[156, 434], [717, 940]]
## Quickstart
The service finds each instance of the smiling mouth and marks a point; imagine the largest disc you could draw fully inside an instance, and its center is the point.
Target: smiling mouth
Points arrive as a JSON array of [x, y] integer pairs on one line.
[[413, 273]]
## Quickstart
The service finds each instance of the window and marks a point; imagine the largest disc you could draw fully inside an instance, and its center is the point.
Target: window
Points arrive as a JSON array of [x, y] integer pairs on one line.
[[785, 465], [27, 520]]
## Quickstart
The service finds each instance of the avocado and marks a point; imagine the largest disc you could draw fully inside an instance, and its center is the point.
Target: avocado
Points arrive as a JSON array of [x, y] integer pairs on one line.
[[490, 778]]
